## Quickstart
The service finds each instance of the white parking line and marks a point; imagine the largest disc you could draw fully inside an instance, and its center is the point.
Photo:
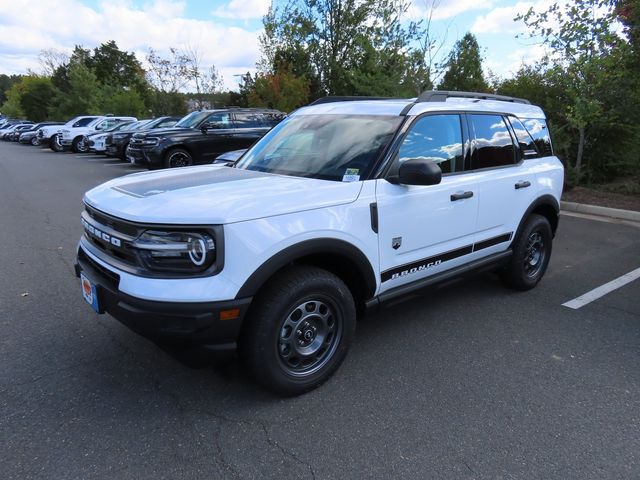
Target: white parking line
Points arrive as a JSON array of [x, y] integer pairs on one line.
[[116, 164], [601, 291]]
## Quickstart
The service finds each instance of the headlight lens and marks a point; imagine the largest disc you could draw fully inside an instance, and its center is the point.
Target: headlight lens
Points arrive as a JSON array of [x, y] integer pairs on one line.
[[151, 141], [176, 251]]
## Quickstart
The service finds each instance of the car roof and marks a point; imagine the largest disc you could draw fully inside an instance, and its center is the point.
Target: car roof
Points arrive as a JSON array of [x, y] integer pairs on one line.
[[414, 106]]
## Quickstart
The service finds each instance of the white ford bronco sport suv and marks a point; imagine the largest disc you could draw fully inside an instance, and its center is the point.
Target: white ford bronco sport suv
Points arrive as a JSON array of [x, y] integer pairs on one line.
[[348, 203]]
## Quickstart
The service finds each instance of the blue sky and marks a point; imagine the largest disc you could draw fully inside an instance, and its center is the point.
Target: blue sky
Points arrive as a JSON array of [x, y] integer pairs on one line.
[[226, 32]]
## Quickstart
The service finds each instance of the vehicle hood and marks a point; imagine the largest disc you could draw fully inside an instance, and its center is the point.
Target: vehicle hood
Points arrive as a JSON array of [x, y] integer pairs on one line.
[[214, 195]]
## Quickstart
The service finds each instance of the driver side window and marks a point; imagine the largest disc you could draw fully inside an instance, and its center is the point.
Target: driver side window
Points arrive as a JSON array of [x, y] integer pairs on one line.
[[437, 138]]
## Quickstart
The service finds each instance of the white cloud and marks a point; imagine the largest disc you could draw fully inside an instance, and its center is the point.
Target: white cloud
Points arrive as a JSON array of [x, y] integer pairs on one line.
[[443, 9], [26, 28], [501, 19], [508, 65], [243, 9]]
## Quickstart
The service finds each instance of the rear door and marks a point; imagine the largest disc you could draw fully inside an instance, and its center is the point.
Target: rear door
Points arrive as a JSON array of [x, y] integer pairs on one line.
[[250, 127], [507, 185]]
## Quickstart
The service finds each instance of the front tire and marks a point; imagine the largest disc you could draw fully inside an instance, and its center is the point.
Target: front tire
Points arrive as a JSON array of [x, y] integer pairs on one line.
[[531, 254], [177, 157], [78, 146], [54, 143], [299, 330]]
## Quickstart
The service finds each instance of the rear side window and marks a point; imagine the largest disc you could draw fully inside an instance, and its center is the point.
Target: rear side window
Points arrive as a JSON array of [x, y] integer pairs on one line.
[[494, 146], [437, 138], [537, 128], [219, 120], [247, 120], [270, 120], [525, 141]]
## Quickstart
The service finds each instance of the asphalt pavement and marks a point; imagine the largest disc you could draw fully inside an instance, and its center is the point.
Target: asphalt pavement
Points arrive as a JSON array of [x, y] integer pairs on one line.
[[470, 382]]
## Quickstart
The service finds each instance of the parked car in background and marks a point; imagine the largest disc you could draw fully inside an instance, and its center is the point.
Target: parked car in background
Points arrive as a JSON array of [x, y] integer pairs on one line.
[[118, 143], [7, 134], [15, 134], [201, 136], [30, 136], [228, 158], [95, 142], [70, 137], [49, 137]]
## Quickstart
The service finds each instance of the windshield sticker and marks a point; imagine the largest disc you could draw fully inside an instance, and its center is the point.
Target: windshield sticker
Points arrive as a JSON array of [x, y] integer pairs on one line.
[[351, 175]]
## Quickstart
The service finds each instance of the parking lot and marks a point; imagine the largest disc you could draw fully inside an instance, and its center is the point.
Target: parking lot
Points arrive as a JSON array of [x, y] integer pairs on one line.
[[471, 381]]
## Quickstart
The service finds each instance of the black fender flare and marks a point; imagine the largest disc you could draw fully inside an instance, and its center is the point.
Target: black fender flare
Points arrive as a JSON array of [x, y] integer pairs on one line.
[[542, 201], [318, 246]]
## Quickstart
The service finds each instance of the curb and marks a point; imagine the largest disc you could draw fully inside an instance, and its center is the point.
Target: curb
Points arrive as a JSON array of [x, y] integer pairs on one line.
[[618, 213]]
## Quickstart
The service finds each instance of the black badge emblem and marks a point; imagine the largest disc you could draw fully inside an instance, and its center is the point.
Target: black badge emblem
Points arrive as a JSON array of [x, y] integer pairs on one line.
[[396, 242]]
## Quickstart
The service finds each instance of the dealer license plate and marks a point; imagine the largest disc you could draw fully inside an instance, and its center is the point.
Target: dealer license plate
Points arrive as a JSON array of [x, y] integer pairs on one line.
[[89, 292]]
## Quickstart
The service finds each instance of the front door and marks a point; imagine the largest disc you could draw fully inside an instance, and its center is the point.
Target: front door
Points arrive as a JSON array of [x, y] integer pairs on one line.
[[424, 230]]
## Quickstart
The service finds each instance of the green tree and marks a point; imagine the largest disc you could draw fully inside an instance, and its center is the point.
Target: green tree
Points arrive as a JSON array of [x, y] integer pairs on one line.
[[282, 90], [12, 106], [122, 102], [582, 39], [83, 95], [6, 82], [346, 42], [37, 96], [464, 67]]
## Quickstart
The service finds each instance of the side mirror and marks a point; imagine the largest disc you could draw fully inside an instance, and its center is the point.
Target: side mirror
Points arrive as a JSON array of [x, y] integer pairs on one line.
[[419, 171]]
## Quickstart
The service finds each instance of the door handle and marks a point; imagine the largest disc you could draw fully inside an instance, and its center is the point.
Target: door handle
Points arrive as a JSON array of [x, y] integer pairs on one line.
[[461, 196], [522, 184]]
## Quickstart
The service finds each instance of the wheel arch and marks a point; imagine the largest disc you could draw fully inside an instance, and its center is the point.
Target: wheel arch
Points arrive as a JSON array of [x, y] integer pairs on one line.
[[337, 256], [548, 207]]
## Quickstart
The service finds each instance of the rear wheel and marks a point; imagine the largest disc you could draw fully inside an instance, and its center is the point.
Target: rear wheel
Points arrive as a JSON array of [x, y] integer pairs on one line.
[[177, 157], [54, 143], [299, 330], [531, 254], [35, 142]]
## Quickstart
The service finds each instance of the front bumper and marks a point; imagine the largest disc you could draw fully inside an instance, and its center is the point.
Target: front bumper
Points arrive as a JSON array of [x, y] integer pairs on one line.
[[198, 323], [148, 157]]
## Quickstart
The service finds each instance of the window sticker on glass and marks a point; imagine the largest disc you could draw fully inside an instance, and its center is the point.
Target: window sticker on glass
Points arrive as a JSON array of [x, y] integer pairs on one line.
[[351, 175]]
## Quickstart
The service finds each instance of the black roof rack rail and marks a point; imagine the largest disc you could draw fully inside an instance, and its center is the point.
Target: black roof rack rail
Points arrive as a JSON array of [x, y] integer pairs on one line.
[[442, 95], [330, 99]]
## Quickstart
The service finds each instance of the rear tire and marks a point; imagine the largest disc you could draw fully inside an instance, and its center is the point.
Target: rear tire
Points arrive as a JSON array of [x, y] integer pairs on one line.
[[35, 142], [531, 254], [298, 330]]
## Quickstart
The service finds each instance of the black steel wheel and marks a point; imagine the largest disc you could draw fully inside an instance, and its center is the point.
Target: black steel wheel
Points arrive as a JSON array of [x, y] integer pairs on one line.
[[298, 330], [178, 157], [531, 254]]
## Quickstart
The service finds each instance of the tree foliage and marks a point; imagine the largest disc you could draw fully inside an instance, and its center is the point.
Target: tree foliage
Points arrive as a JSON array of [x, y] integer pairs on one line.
[[342, 47], [463, 69]]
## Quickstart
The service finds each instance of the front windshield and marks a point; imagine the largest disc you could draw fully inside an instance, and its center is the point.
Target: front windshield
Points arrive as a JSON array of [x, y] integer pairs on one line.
[[192, 120], [329, 147]]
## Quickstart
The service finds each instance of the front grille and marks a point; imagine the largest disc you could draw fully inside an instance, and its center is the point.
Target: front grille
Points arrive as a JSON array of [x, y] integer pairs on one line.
[[124, 233]]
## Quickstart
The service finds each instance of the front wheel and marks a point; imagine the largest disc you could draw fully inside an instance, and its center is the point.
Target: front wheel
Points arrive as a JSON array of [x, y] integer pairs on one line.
[[531, 254], [177, 157], [299, 330], [79, 146], [55, 144]]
